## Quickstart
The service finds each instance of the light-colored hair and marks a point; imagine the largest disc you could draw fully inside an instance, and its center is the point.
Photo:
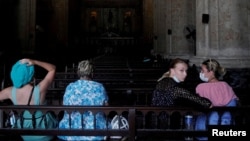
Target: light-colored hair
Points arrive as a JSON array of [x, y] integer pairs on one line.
[[85, 68], [172, 65], [213, 65]]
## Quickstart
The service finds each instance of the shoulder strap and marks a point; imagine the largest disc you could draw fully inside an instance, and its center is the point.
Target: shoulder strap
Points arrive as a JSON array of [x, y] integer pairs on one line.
[[30, 95], [36, 94], [13, 95]]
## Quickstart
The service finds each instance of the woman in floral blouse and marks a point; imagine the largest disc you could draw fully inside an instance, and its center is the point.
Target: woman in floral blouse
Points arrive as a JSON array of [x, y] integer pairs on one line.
[[84, 92]]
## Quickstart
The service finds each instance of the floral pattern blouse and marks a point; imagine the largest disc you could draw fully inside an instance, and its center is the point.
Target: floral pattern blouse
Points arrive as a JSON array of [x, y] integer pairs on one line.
[[84, 93]]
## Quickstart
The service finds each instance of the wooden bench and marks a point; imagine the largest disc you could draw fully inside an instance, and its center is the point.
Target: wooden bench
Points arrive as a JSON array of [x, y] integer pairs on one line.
[[134, 86], [143, 121], [117, 96]]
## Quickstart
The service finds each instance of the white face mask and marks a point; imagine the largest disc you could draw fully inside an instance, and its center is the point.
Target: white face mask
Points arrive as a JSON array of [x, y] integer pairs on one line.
[[203, 78], [176, 79]]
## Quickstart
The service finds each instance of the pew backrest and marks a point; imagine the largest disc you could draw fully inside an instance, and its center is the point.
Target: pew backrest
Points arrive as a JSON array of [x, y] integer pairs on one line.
[[143, 121]]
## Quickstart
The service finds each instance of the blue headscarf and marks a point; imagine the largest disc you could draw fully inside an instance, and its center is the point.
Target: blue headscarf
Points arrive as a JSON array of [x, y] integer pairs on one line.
[[21, 74]]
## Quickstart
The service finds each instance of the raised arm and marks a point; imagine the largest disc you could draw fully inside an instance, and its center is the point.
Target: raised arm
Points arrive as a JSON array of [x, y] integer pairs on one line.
[[49, 77]]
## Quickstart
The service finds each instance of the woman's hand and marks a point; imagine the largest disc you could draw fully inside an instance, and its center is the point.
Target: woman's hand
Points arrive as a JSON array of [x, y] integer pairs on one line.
[[29, 62], [211, 106]]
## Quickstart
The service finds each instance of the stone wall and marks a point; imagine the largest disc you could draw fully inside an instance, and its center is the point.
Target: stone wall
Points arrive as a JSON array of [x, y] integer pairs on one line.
[[224, 36]]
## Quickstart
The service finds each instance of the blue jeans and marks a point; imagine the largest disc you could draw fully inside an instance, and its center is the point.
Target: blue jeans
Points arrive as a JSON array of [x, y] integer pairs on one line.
[[213, 119]]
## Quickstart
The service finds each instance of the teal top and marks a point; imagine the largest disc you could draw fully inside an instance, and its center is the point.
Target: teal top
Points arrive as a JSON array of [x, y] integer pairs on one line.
[[27, 122]]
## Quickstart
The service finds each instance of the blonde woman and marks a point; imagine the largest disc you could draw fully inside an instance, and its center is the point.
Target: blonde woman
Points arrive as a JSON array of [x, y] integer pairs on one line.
[[219, 92], [168, 90]]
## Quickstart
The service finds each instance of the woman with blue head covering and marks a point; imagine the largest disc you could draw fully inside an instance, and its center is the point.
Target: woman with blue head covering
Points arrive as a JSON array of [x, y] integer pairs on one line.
[[22, 73]]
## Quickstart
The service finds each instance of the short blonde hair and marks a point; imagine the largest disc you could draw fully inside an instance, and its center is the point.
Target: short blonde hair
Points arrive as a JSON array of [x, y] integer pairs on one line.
[[214, 65], [85, 68]]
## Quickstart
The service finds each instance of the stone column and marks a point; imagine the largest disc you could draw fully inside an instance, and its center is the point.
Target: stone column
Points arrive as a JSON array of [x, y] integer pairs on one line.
[[160, 26], [225, 36], [26, 25]]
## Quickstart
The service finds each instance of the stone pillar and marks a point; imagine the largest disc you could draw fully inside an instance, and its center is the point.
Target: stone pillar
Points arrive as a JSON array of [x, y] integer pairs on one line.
[[148, 22], [26, 25], [225, 36], [160, 26], [170, 20], [60, 23]]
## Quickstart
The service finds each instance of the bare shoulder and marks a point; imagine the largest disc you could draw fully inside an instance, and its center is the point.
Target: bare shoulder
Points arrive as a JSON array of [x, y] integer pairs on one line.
[[6, 93]]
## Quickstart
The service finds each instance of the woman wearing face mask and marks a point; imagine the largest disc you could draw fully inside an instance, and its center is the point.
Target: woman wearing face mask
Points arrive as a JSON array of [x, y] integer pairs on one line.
[[168, 91], [217, 91]]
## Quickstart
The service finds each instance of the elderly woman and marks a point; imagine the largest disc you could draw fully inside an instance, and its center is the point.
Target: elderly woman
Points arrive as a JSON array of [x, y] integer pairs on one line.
[[84, 92]]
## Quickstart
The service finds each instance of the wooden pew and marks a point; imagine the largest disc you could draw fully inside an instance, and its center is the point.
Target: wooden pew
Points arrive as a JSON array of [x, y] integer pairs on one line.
[[137, 119], [134, 85]]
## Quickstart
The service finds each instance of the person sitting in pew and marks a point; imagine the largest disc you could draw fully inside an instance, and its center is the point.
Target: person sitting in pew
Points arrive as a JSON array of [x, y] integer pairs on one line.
[[169, 92], [84, 92], [25, 92], [218, 92]]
